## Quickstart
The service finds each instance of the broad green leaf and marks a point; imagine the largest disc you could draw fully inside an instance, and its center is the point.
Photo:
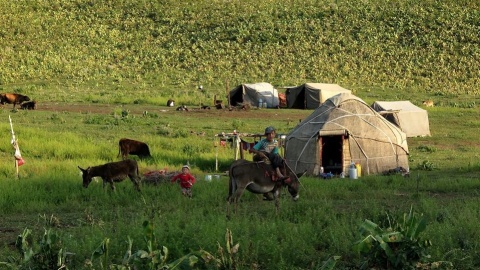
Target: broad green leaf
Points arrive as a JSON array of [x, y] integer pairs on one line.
[[392, 237], [330, 263], [101, 250], [370, 227], [142, 254]]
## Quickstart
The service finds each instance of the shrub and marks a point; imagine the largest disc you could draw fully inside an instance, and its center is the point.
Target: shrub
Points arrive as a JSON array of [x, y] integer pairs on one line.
[[48, 253], [398, 246], [426, 166], [426, 148]]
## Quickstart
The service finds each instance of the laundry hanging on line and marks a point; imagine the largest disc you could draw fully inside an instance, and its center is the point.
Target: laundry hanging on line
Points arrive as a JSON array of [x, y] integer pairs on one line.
[[247, 145]]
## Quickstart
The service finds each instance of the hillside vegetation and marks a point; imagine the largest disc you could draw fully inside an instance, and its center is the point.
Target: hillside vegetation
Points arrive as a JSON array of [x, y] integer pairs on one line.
[[428, 47]]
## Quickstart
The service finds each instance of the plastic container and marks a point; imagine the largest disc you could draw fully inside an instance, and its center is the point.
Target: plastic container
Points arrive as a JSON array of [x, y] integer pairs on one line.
[[208, 177], [260, 103], [352, 171], [359, 169], [322, 170]]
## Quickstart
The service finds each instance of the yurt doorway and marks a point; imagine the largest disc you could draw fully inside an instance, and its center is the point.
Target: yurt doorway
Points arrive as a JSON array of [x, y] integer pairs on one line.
[[332, 153]]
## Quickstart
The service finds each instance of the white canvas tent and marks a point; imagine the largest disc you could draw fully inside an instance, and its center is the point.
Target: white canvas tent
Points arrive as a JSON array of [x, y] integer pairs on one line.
[[252, 93], [409, 118], [344, 129], [312, 95]]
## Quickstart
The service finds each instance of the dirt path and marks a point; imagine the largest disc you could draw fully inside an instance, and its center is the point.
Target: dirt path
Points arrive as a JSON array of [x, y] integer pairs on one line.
[[139, 109]]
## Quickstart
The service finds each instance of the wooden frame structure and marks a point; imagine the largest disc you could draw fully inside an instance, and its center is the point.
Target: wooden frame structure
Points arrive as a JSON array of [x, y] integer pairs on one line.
[[236, 139]]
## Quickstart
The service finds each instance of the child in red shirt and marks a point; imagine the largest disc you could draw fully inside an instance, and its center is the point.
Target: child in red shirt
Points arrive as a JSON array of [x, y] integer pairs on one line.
[[186, 181]]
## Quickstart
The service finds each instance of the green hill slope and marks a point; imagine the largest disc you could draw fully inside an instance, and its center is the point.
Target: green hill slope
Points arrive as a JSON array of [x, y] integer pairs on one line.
[[432, 45]]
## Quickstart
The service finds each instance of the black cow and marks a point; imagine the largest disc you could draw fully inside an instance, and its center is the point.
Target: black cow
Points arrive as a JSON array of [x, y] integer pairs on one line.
[[113, 172], [30, 105], [11, 98], [170, 103], [132, 147]]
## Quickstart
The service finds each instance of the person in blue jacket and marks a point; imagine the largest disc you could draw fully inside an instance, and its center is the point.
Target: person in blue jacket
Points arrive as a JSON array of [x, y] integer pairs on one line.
[[268, 148]]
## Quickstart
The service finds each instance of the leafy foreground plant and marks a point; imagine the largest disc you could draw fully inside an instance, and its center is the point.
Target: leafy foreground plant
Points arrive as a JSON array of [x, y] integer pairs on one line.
[[227, 257], [155, 256], [397, 247], [47, 254]]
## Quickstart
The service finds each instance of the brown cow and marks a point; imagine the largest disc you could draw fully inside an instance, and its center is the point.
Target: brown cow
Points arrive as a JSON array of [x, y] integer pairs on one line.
[[112, 172], [10, 98], [30, 105], [132, 147]]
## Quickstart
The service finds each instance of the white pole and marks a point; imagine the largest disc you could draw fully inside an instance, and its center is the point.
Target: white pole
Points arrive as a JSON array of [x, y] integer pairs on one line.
[[11, 127], [216, 159], [15, 145], [235, 154], [215, 144]]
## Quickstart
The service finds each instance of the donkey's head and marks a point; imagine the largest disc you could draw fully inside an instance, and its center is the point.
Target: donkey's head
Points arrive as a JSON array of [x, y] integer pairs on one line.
[[87, 178], [293, 183]]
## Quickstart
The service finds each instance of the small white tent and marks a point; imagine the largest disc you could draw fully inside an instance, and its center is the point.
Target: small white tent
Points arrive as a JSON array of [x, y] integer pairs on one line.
[[409, 118], [312, 95], [253, 93]]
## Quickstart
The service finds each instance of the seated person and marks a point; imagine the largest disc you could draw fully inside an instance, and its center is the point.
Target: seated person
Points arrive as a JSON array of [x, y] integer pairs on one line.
[[268, 147]]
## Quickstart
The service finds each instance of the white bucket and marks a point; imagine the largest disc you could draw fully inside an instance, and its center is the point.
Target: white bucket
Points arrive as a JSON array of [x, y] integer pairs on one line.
[[352, 173], [208, 177]]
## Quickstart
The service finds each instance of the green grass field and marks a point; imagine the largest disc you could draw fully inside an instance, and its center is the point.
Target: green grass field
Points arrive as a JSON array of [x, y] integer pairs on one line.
[[104, 70], [322, 224]]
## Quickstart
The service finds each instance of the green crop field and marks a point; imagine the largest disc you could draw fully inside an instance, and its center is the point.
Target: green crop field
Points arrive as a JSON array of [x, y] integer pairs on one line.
[[103, 70]]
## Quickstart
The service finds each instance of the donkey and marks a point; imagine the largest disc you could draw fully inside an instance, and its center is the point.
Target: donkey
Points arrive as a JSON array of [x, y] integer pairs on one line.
[[112, 172], [257, 177]]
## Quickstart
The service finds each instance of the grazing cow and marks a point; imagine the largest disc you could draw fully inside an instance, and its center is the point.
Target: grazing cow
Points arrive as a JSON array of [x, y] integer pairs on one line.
[[30, 105], [10, 98], [256, 177], [131, 147], [170, 103], [112, 172]]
